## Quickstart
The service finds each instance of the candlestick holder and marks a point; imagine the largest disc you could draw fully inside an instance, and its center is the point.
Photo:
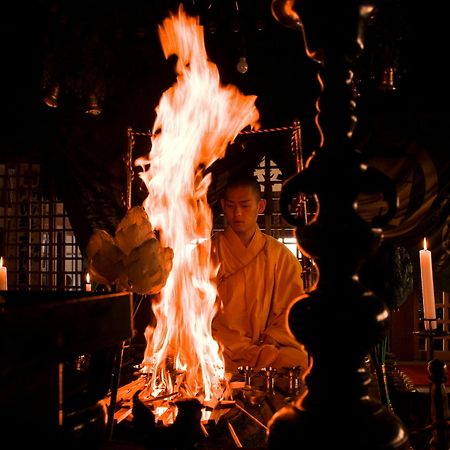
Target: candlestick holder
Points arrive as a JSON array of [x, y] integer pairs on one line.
[[247, 371], [430, 335]]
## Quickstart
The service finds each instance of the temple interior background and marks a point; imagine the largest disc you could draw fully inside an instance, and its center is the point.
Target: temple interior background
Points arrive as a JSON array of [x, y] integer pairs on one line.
[[81, 83]]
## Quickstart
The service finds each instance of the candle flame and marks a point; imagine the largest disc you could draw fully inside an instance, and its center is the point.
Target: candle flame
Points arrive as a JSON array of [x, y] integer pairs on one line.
[[1, 261], [88, 278], [424, 243]]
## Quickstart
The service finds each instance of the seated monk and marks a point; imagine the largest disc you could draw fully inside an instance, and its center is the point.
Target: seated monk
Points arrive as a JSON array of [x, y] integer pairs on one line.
[[258, 279]]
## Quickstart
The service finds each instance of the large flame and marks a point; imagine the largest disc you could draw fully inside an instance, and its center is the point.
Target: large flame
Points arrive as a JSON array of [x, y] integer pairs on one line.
[[196, 119]]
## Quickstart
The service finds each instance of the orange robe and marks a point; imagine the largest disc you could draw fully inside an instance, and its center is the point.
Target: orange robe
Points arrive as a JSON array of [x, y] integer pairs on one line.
[[256, 285]]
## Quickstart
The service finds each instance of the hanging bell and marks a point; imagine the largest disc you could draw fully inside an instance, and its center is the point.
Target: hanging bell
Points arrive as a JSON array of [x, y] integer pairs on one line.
[[51, 99], [93, 107]]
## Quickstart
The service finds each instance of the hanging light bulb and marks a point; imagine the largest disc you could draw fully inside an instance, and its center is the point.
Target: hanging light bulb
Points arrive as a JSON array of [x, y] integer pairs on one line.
[[93, 106], [242, 65], [51, 99]]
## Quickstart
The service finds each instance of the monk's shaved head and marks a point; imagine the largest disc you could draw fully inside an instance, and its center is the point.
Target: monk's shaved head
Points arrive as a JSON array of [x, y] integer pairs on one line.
[[241, 179]]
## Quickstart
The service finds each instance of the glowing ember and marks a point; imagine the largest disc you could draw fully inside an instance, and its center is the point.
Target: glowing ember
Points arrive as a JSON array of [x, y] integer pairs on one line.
[[196, 119]]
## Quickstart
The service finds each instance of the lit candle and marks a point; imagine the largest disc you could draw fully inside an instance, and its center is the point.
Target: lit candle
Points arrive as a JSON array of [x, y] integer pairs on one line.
[[3, 276], [426, 273], [88, 283]]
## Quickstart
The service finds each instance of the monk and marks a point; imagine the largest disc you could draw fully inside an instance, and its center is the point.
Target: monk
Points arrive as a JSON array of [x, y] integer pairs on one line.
[[258, 278]]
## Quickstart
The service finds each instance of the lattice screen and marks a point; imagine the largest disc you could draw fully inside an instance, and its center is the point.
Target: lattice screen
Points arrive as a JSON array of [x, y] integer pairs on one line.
[[37, 243]]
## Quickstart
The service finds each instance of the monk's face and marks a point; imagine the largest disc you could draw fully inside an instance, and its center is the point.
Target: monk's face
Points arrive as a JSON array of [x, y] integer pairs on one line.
[[241, 207]]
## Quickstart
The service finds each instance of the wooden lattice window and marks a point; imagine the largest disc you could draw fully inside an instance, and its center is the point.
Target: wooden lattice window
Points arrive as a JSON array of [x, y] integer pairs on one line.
[[37, 242]]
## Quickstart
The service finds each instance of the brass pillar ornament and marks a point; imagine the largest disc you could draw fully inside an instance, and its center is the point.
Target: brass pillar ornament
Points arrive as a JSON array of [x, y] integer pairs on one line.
[[388, 79], [336, 410]]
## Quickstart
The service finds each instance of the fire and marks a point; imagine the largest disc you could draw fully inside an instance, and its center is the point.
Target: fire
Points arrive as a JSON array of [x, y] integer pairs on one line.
[[196, 119]]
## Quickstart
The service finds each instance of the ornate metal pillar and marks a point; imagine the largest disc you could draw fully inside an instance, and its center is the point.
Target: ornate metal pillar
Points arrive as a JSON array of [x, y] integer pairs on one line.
[[339, 321]]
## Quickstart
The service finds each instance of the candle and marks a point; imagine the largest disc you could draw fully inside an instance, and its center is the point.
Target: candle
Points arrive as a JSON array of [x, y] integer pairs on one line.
[[426, 273], [3, 276], [88, 283]]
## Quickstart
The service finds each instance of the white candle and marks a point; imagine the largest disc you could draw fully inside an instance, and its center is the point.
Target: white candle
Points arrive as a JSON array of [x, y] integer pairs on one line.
[[426, 273], [88, 284], [3, 276]]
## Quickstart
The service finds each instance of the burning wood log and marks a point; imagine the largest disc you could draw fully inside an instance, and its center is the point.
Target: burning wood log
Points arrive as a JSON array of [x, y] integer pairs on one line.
[[184, 433], [153, 415]]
